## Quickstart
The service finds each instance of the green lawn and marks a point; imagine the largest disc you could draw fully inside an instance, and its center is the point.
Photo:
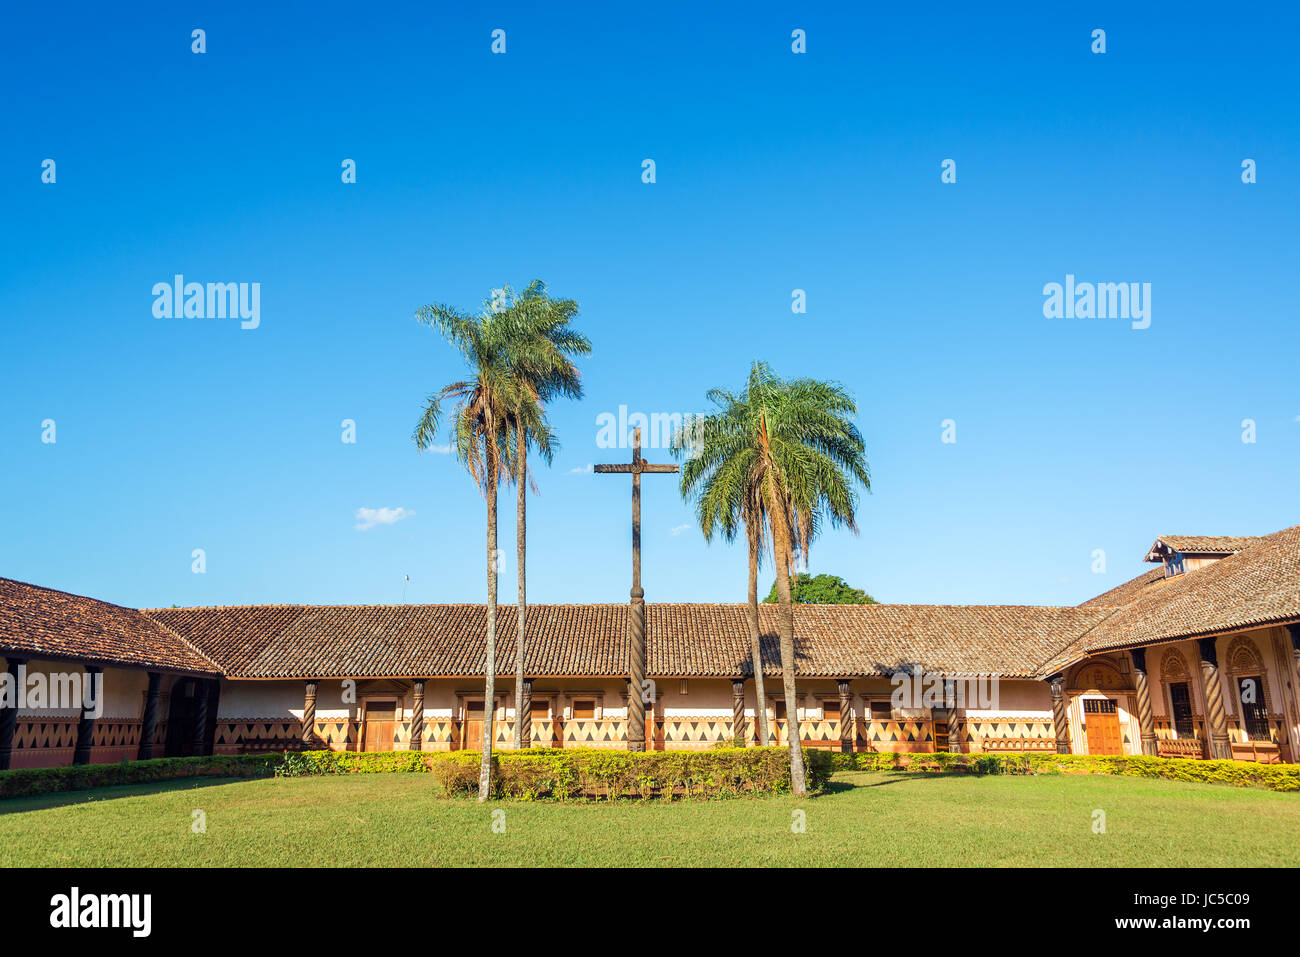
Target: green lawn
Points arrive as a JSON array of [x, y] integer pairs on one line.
[[865, 819]]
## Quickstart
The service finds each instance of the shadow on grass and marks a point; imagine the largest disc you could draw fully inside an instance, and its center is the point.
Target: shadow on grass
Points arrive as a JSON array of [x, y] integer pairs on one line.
[[41, 802], [890, 777]]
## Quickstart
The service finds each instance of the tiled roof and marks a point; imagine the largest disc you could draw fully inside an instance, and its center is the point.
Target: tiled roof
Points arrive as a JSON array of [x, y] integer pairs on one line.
[[1257, 586], [1125, 593], [40, 622], [1203, 544], [591, 640]]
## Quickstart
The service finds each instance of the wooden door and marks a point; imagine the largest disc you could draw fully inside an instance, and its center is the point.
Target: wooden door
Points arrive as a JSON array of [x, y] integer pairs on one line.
[[472, 737], [381, 723], [1102, 723]]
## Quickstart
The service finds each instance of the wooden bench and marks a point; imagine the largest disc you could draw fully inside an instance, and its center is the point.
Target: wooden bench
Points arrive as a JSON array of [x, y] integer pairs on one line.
[[996, 745], [1264, 752], [260, 745], [1192, 748]]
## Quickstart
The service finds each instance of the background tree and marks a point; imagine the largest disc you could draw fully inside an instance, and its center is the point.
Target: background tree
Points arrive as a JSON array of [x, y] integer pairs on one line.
[[726, 502], [792, 446], [808, 589], [539, 355], [485, 406]]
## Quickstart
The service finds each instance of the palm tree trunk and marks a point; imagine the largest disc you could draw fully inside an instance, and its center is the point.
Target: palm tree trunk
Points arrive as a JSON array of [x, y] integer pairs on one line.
[[785, 629], [756, 650], [490, 667], [521, 530]]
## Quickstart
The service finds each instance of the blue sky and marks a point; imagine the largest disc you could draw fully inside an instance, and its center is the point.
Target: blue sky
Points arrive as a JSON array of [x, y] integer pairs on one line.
[[775, 171]]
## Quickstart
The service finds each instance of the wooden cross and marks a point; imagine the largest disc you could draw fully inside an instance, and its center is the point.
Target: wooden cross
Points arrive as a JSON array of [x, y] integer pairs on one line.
[[636, 605]]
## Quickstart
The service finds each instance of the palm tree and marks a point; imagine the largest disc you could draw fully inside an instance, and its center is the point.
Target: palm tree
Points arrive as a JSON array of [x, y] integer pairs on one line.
[[485, 406], [787, 451], [538, 355], [724, 502]]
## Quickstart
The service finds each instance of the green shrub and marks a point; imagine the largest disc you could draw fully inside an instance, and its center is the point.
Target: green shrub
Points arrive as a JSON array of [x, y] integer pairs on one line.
[[1276, 777], [563, 774], [28, 781]]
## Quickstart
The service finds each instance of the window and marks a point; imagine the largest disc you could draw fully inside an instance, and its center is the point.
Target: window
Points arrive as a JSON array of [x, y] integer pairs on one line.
[[778, 710], [1181, 700], [1098, 706], [1173, 564], [584, 709], [1254, 713], [540, 710], [831, 709], [881, 711]]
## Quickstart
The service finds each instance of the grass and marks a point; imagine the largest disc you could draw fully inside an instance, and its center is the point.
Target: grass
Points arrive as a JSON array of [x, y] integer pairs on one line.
[[375, 820]]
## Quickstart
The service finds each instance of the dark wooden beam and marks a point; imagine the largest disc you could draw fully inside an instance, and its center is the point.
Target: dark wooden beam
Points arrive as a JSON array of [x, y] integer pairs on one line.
[[149, 722], [86, 726], [9, 716]]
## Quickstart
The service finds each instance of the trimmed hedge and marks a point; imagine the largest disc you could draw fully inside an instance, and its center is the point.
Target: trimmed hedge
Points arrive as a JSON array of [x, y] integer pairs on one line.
[[28, 781], [293, 764], [585, 772], [1275, 777], [568, 773]]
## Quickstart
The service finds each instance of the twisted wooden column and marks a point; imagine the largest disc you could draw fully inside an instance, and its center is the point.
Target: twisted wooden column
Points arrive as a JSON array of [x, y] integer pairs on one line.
[[309, 717], [86, 726], [1060, 714], [9, 716], [525, 715], [149, 722], [636, 667], [739, 726], [954, 722], [1294, 631], [417, 715], [848, 725], [202, 691], [1146, 719], [1220, 746]]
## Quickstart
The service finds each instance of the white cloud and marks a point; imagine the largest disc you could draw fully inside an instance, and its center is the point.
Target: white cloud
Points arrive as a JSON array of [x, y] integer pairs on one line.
[[678, 529], [441, 449], [370, 517], [583, 470]]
